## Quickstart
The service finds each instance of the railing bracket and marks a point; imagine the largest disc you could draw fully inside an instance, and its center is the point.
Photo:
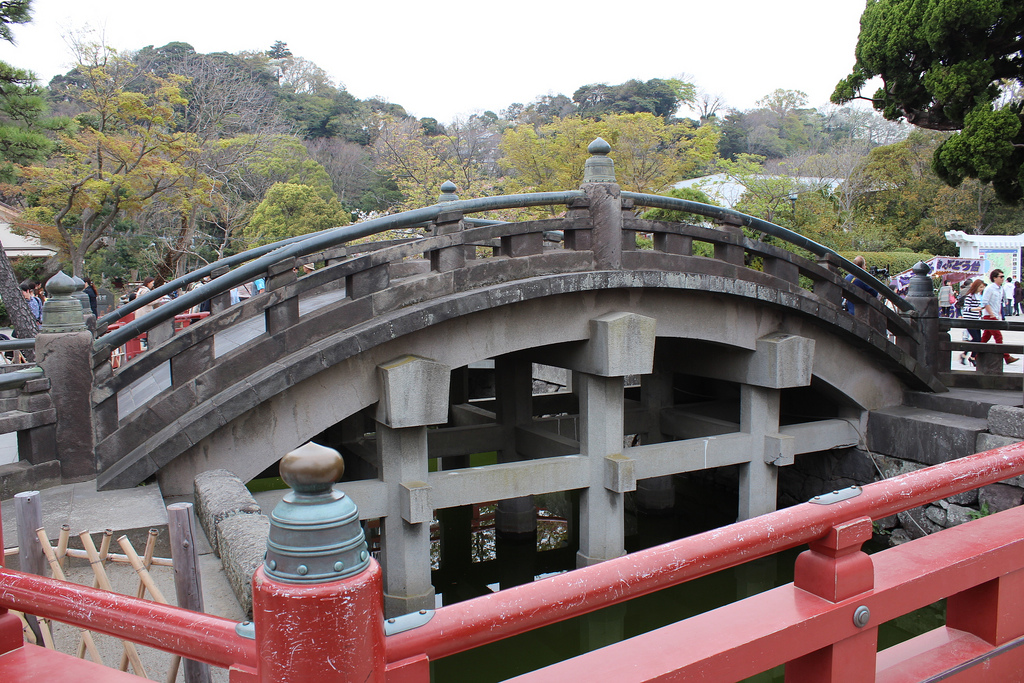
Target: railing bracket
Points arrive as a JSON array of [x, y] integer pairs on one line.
[[836, 496], [407, 622], [246, 629]]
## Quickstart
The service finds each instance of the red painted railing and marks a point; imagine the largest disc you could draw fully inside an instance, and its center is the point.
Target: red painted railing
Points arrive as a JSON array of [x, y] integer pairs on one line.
[[134, 346], [823, 626]]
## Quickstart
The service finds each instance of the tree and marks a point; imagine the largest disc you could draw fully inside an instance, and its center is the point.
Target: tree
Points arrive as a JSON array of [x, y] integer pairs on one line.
[[289, 210], [943, 66], [21, 108], [13, 12], [279, 50], [126, 153], [649, 153]]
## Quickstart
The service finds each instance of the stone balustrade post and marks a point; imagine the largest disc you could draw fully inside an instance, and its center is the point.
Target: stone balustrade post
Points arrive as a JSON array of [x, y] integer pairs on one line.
[[605, 206], [64, 352], [921, 296]]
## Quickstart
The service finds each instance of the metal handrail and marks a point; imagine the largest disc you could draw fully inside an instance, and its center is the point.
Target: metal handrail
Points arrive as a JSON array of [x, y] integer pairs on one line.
[[719, 213], [17, 379], [302, 246], [17, 344], [256, 261]]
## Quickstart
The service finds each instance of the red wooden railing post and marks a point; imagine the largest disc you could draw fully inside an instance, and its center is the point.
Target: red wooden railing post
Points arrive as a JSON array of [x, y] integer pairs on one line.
[[836, 569], [318, 598], [993, 611], [10, 626]]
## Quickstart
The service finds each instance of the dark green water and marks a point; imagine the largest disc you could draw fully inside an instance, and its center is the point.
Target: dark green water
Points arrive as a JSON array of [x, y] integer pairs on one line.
[[542, 647]]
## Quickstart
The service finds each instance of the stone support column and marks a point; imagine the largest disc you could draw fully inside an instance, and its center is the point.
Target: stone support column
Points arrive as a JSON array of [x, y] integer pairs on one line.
[[759, 415], [516, 518], [620, 344], [601, 509], [414, 394]]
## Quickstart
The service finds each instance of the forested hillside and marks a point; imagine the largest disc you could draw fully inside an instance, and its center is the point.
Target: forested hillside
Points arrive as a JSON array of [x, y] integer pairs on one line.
[[156, 160]]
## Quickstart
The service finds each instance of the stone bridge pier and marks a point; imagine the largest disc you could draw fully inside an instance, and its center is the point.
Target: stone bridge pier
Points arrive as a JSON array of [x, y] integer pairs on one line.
[[416, 398]]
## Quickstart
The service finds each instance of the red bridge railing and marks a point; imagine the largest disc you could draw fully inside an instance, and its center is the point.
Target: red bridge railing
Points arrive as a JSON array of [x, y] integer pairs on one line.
[[823, 626]]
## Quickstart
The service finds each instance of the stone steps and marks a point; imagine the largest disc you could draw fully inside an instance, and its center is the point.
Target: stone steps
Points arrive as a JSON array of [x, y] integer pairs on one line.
[[929, 429]]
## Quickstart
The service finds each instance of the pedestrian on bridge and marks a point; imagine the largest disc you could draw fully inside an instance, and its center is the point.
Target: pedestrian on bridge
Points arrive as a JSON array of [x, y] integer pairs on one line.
[[970, 309], [992, 309]]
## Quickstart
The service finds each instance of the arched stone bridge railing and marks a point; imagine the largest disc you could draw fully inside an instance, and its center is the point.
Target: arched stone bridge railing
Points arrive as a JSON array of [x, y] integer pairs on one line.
[[172, 400]]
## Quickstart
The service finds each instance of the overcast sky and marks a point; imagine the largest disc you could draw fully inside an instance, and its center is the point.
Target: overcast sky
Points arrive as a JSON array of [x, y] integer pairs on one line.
[[456, 58]]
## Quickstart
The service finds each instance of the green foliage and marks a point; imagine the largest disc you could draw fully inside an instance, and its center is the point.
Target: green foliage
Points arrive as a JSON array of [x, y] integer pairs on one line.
[[689, 193], [289, 210], [661, 97], [279, 50], [982, 512], [944, 64], [895, 261], [28, 268], [13, 12]]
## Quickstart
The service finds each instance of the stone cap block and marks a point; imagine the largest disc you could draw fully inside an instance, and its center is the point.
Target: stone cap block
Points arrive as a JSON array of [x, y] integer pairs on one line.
[[619, 473], [413, 392], [781, 361]]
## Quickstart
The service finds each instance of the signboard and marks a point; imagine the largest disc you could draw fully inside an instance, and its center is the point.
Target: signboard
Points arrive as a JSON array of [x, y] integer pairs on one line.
[[952, 268]]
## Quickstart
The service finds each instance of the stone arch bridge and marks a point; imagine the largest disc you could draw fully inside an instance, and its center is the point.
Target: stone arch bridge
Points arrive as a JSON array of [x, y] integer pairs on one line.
[[710, 346]]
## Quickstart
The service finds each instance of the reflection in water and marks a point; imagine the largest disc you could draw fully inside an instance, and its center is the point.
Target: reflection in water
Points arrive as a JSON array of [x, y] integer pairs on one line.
[[478, 561]]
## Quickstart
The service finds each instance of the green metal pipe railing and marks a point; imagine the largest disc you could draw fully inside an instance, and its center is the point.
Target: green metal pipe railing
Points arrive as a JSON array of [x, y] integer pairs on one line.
[[719, 213], [256, 261], [263, 257]]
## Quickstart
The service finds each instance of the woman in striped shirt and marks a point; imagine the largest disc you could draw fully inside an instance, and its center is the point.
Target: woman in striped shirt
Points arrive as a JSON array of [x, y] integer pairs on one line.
[[971, 310]]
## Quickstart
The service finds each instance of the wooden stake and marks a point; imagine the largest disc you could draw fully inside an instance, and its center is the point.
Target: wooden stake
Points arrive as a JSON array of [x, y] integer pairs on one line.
[[181, 526], [58, 573], [62, 543], [147, 582], [145, 578], [104, 583]]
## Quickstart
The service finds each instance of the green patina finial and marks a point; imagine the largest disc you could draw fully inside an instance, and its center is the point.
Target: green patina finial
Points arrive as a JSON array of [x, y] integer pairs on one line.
[[448, 192], [315, 536], [62, 312], [599, 168]]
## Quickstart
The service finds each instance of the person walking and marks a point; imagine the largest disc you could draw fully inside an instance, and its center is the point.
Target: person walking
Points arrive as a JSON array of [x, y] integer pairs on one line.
[[1018, 297], [992, 309], [970, 309], [946, 300], [1008, 298]]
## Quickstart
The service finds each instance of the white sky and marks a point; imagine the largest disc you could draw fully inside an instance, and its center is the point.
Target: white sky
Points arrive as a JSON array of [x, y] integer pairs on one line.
[[456, 58]]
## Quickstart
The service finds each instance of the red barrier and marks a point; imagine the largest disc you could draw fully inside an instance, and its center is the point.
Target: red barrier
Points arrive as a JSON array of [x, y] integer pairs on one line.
[[823, 626], [194, 635], [134, 346], [490, 618]]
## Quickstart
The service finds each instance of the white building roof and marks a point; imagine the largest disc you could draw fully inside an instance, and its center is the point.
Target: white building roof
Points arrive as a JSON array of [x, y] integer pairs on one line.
[[20, 245]]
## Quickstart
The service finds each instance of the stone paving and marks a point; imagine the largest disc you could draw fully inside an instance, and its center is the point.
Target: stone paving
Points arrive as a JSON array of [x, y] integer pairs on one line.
[[131, 512]]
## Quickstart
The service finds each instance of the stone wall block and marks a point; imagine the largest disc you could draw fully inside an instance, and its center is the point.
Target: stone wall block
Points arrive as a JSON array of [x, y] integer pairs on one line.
[[958, 514], [987, 441], [999, 497], [242, 540], [1006, 421], [219, 494]]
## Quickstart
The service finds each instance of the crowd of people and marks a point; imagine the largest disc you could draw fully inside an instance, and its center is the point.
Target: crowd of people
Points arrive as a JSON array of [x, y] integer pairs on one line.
[[1000, 298]]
